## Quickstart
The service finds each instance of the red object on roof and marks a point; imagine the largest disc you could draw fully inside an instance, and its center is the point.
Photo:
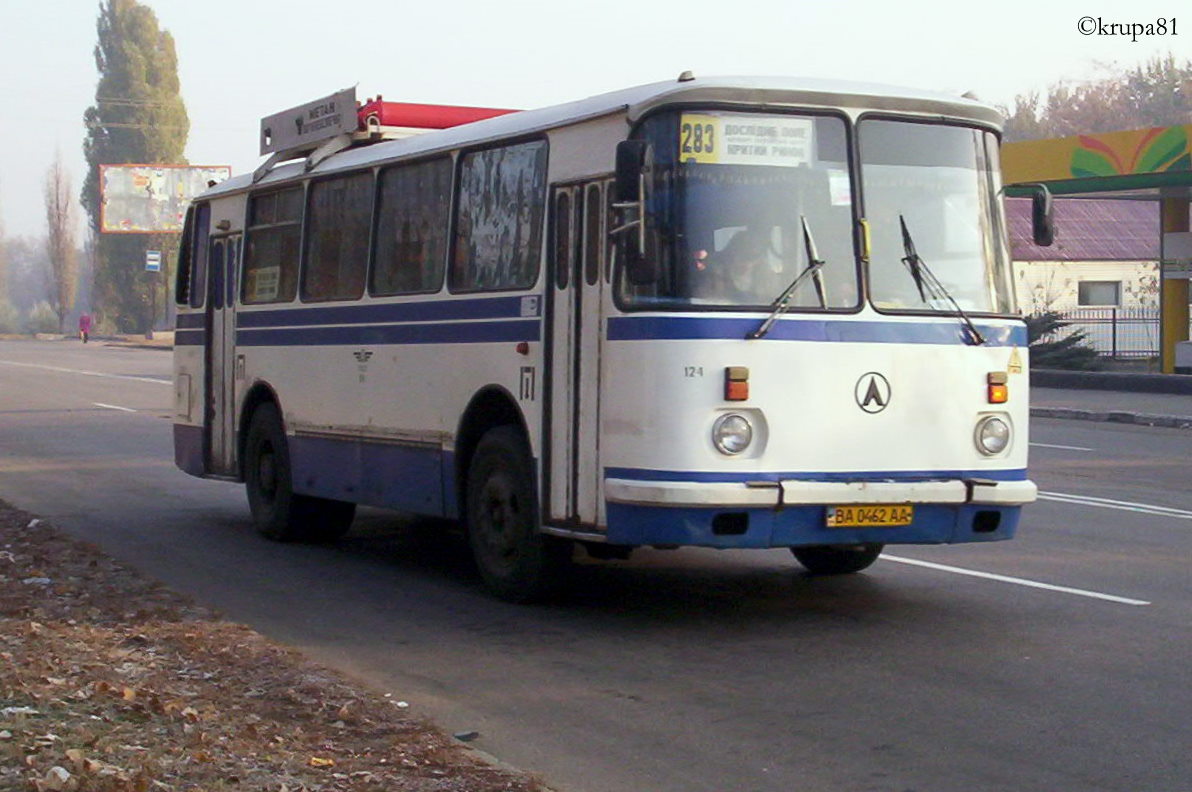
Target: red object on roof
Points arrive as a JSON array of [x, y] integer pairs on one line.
[[423, 116]]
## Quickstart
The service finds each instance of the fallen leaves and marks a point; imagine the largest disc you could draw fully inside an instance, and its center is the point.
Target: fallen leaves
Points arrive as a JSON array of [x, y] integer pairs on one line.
[[114, 684]]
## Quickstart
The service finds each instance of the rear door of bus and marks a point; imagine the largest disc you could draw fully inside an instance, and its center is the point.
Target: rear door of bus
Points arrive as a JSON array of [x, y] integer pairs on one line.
[[223, 257]]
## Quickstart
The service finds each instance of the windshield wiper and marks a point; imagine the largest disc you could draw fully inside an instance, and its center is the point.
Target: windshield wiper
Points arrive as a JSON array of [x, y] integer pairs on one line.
[[929, 285], [814, 266]]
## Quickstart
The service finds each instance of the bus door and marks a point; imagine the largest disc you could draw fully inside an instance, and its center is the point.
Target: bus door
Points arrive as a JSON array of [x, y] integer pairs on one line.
[[219, 423], [573, 439]]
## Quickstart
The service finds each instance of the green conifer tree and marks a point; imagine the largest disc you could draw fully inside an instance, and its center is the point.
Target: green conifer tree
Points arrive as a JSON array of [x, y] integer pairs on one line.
[[138, 117]]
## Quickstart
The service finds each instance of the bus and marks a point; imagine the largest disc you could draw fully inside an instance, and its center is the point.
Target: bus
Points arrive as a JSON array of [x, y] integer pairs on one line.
[[716, 312]]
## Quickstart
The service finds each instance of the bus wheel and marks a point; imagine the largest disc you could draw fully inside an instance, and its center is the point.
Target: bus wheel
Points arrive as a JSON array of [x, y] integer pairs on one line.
[[277, 512], [837, 559], [517, 562]]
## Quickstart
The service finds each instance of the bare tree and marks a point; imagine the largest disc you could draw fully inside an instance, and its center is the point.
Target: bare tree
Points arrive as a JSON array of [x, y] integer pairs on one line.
[[60, 241], [1157, 92], [3, 265]]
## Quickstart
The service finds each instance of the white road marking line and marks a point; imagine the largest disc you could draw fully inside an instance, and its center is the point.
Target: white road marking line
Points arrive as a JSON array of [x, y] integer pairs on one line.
[[1015, 581], [1106, 503], [1061, 447], [113, 407], [87, 373]]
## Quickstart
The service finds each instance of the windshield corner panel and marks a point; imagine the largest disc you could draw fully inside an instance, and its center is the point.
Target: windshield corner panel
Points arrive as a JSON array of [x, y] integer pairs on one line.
[[733, 199], [934, 187]]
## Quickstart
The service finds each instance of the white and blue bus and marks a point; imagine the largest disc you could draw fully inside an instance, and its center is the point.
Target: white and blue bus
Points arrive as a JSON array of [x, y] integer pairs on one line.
[[731, 313]]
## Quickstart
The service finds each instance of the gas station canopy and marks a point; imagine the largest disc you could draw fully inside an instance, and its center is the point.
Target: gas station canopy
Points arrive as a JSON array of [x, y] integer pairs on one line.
[[1152, 164]]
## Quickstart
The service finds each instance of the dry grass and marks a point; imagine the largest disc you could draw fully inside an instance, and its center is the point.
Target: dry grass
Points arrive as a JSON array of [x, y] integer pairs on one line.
[[111, 683]]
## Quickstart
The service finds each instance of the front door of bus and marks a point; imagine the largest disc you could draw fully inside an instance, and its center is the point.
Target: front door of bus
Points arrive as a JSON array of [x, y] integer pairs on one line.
[[220, 414], [577, 283]]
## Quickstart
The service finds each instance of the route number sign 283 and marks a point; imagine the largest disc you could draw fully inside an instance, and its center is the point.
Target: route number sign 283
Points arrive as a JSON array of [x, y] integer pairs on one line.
[[745, 139]]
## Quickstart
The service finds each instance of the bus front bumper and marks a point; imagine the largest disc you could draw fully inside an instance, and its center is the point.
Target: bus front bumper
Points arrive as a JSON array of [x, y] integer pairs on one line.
[[793, 493], [792, 513]]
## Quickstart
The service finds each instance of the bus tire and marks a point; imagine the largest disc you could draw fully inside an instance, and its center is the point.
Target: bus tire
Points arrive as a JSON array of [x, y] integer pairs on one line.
[[515, 559], [277, 512], [837, 559]]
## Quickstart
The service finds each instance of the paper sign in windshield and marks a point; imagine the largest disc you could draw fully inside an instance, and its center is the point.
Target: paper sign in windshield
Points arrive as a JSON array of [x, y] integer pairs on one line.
[[745, 140]]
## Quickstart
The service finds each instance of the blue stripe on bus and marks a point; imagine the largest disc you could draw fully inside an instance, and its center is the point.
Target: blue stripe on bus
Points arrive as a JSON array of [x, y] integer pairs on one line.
[[425, 311], [454, 333], [189, 337], [642, 328], [646, 474], [190, 321]]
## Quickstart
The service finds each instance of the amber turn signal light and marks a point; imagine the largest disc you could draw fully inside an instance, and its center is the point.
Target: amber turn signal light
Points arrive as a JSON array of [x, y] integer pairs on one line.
[[736, 383], [997, 391]]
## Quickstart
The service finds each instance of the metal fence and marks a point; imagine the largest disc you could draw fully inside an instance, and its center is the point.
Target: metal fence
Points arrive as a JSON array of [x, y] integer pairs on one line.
[[1115, 332]]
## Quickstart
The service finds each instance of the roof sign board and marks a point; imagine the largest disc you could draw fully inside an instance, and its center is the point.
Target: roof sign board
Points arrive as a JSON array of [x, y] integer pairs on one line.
[[311, 123], [151, 199]]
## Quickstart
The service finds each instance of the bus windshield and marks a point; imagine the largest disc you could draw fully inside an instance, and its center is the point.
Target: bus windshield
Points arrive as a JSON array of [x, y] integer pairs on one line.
[[941, 182], [734, 197]]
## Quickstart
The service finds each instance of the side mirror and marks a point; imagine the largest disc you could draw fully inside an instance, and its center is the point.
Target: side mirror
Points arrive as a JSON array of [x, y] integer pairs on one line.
[[631, 161], [640, 269], [632, 235], [1042, 221]]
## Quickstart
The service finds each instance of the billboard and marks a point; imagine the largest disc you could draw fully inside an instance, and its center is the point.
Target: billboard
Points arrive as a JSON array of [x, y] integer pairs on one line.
[[151, 199]]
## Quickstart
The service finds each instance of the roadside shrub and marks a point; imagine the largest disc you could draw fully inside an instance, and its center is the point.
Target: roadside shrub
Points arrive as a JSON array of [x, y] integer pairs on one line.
[[10, 319], [1052, 348], [41, 319], [104, 326]]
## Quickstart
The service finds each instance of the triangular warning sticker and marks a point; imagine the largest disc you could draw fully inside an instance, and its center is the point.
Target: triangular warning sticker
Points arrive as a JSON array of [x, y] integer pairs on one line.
[[1015, 364]]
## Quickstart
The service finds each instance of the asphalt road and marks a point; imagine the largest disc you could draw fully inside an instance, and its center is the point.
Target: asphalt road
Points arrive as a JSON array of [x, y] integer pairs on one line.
[[1068, 669]]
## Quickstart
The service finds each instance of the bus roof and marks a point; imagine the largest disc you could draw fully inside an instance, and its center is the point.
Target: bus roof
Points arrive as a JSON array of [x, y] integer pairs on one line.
[[636, 102]]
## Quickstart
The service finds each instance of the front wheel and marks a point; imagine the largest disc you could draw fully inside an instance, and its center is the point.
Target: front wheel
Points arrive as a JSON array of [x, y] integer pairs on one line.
[[516, 560], [277, 511], [837, 559]]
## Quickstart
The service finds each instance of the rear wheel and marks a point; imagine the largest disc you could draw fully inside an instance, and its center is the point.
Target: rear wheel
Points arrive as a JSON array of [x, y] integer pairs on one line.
[[837, 559], [516, 560], [277, 511]]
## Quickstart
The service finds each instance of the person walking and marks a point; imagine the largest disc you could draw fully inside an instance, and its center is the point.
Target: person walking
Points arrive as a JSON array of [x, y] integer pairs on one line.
[[84, 326]]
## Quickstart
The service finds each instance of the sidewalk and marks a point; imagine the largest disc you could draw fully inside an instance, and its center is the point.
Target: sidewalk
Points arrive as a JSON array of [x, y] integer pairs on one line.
[[1173, 410]]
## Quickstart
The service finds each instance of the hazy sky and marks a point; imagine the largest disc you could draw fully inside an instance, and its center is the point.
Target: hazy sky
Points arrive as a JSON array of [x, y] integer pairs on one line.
[[242, 59]]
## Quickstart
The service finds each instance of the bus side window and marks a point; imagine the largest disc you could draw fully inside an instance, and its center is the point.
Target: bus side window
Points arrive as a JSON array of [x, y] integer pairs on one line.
[[182, 276], [198, 256], [502, 197], [271, 246], [412, 216], [610, 222], [593, 235], [339, 217], [562, 229]]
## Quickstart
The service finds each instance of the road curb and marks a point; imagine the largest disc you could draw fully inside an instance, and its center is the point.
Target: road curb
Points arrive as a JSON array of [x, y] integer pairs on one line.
[[124, 345], [1114, 416], [1128, 382]]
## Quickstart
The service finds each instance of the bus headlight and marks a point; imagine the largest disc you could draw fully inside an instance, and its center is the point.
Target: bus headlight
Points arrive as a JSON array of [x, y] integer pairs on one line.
[[992, 435], [732, 433]]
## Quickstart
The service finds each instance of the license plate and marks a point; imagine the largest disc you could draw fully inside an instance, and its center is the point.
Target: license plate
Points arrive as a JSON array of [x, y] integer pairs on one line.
[[870, 515]]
